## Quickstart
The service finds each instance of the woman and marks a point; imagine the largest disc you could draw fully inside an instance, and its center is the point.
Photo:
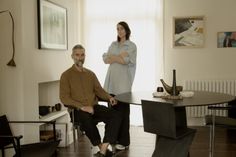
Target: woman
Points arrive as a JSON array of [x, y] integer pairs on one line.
[[121, 56]]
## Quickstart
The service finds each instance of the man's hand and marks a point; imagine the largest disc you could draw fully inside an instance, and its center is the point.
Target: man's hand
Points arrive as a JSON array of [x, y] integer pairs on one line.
[[88, 109], [113, 101]]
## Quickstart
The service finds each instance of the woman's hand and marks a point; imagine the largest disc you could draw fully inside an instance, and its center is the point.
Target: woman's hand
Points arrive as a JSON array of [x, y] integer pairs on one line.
[[124, 54], [116, 59], [109, 59]]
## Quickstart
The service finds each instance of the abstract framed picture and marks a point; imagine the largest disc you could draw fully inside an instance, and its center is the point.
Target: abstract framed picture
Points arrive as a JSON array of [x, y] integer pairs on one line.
[[188, 32], [52, 26], [226, 39]]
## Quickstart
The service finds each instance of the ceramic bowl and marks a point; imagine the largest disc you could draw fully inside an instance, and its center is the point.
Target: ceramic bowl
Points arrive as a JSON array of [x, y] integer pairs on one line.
[[159, 94], [187, 94]]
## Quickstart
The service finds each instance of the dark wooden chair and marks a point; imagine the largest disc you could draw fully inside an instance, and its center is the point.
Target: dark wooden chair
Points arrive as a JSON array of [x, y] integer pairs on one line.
[[77, 131], [40, 149], [219, 121], [76, 126]]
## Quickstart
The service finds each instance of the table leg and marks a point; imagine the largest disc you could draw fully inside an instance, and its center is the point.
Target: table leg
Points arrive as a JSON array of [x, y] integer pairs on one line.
[[168, 147]]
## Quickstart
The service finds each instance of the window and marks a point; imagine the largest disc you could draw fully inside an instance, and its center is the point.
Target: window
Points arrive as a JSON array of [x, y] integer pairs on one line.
[[145, 20]]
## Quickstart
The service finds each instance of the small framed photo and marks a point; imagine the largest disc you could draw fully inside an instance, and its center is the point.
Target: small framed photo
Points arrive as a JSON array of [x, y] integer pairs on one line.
[[188, 31], [52, 26], [226, 39]]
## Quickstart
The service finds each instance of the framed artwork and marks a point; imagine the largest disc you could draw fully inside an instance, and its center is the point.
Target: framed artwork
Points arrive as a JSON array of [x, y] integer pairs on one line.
[[52, 26], [188, 31], [226, 39]]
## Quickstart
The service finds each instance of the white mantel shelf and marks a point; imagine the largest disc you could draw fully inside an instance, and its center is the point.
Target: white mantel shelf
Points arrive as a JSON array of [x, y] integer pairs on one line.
[[53, 115]]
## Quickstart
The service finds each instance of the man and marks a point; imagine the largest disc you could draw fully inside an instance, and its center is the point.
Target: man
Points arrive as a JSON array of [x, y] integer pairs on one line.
[[80, 88]]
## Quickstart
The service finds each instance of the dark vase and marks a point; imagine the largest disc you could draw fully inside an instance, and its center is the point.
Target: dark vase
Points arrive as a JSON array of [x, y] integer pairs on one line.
[[174, 89]]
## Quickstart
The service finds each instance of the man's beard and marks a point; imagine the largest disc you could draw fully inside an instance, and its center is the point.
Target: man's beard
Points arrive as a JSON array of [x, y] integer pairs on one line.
[[79, 63]]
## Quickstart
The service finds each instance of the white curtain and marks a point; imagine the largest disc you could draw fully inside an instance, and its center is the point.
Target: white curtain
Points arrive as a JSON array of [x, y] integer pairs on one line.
[[146, 23]]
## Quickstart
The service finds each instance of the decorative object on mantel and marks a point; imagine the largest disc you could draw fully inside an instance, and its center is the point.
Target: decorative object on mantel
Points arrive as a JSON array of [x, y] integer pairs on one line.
[[44, 110], [58, 107], [174, 90], [11, 62]]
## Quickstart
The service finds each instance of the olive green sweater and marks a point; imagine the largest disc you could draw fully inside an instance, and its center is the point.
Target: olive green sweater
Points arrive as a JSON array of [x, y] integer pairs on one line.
[[79, 89]]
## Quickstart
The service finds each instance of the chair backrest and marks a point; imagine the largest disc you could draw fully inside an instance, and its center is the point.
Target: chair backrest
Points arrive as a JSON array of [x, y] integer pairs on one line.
[[5, 130], [159, 118], [232, 110]]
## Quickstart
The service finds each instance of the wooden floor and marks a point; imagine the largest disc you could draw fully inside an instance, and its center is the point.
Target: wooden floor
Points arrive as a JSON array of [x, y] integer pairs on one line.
[[142, 145]]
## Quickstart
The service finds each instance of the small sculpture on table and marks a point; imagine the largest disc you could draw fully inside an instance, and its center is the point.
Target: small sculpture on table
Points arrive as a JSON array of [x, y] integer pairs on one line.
[[174, 90]]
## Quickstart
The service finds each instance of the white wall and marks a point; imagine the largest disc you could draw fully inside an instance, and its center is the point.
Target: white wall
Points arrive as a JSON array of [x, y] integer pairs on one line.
[[19, 85], [209, 62]]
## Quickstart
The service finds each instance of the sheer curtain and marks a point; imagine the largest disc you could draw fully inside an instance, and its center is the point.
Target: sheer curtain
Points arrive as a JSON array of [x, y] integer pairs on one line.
[[145, 20]]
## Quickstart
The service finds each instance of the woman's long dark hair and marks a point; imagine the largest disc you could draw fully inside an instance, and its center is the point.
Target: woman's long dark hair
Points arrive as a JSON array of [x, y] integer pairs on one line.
[[127, 30]]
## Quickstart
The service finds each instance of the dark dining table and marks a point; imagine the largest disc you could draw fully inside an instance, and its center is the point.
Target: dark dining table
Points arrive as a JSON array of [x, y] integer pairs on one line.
[[167, 118]]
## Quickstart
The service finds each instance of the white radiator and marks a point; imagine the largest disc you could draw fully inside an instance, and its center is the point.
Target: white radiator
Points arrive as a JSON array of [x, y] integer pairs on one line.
[[220, 86]]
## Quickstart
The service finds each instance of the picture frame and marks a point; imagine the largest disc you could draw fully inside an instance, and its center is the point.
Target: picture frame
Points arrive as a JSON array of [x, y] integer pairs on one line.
[[52, 26], [226, 39], [188, 32]]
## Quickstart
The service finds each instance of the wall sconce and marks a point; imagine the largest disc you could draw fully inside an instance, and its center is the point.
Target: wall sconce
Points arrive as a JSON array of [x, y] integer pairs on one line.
[[11, 62]]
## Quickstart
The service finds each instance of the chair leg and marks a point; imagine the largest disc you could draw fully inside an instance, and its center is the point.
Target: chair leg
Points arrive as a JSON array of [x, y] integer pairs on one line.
[[78, 132], [18, 150], [55, 153], [210, 142], [3, 153], [73, 129], [74, 138], [212, 135]]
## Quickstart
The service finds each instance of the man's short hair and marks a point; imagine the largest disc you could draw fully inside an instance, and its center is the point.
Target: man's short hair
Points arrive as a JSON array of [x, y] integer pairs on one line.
[[77, 47]]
